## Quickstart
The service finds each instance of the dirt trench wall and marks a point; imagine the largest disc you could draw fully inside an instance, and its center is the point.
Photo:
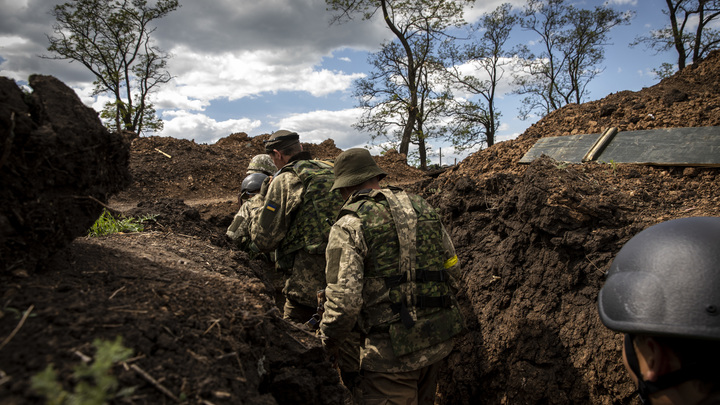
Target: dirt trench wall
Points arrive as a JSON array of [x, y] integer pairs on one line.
[[534, 248], [57, 163]]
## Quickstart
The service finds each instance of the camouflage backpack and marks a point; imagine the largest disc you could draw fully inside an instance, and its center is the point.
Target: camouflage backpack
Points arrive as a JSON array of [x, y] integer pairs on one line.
[[404, 238], [317, 212]]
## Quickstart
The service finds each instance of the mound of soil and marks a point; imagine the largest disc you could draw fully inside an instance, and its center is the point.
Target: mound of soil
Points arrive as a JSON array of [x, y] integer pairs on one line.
[[536, 240], [58, 167], [202, 318]]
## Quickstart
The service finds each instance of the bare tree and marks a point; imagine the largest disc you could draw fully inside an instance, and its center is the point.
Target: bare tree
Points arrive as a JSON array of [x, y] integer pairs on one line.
[[111, 38], [384, 97], [476, 121], [689, 32], [573, 42], [417, 25]]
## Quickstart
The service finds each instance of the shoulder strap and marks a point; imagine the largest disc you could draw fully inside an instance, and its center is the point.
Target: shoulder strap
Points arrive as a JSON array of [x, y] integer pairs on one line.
[[405, 219]]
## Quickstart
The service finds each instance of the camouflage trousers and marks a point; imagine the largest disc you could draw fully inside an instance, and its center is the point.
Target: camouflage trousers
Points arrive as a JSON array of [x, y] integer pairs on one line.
[[302, 283], [417, 387], [349, 365], [296, 312]]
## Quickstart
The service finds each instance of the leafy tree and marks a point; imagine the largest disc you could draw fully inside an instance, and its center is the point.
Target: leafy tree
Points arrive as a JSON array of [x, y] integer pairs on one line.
[[474, 122], [573, 42], [394, 88], [689, 32], [111, 38], [384, 97]]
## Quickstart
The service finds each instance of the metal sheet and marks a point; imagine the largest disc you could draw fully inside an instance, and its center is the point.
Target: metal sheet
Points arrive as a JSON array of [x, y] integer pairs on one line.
[[569, 149], [669, 147]]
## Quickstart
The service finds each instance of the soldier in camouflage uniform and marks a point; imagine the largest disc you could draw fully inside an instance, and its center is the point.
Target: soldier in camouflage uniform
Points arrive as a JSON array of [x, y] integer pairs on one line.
[[250, 201], [391, 276], [260, 167], [295, 221], [262, 163]]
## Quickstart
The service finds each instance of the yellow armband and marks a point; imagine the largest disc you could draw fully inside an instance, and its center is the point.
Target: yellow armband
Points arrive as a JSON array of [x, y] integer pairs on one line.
[[451, 262]]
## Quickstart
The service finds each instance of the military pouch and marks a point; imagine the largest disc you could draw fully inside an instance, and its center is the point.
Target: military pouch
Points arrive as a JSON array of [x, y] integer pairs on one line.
[[427, 331]]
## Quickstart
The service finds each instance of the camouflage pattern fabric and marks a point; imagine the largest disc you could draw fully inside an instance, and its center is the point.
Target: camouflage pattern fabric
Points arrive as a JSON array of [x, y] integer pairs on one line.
[[262, 163], [283, 198], [239, 229], [363, 257], [291, 221], [318, 210], [303, 281]]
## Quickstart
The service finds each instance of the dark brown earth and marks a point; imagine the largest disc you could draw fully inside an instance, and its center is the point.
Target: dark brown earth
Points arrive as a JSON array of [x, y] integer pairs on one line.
[[534, 242]]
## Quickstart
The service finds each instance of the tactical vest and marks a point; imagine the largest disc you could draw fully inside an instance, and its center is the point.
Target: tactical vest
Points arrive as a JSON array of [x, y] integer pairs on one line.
[[311, 223], [406, 287]]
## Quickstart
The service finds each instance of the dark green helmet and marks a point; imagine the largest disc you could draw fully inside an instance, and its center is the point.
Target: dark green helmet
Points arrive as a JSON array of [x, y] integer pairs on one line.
[[666, 281]]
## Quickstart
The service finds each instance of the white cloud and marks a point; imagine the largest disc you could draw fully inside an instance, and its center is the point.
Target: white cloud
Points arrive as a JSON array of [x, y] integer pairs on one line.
[[317, 126], [479, 8], [623, 2], [201, 128]]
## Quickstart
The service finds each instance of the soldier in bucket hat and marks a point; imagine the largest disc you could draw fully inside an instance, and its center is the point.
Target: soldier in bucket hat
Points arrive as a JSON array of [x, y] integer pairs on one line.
[[294, 221], [391, 277]]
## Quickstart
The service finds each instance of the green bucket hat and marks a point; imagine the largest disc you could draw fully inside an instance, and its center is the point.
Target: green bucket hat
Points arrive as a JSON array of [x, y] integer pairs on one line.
[[355, 166]]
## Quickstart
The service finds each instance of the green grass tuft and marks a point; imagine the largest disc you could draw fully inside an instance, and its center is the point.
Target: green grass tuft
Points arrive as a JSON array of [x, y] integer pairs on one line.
[[95, 383], [107, 224]]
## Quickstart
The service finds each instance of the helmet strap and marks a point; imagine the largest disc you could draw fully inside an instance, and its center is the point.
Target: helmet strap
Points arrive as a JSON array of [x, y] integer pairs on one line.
[[671, 379]]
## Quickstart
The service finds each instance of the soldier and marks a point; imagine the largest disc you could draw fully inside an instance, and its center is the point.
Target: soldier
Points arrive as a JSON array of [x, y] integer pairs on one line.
[[250, 200], [663, 292], [260, 167], [391, 276], [261, 163], [295, 220]]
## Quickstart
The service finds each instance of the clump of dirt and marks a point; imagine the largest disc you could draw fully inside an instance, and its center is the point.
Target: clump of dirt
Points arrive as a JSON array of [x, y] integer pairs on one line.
[[57, 168], [534, 242]]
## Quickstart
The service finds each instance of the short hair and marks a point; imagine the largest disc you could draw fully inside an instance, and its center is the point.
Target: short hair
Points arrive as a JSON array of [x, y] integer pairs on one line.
[[291, 150]]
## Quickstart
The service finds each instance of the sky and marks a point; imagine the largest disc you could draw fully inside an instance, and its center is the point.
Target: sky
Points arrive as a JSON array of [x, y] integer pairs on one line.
[[259, 66]]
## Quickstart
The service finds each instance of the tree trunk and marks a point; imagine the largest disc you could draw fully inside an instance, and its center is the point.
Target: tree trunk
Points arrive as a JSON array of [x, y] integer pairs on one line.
[[412, 82]]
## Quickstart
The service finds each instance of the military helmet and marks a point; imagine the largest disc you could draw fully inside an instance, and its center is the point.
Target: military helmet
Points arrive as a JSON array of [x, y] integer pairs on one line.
[[355, 166], [280, 140], [262, 163], [666, 281], [251, 184]]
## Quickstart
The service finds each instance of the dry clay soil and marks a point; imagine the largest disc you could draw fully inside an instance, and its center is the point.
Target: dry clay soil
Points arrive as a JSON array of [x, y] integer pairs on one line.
[[534, 242]]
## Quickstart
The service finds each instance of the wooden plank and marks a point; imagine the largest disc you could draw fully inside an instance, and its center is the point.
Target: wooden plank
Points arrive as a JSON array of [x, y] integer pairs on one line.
[[569, 149]]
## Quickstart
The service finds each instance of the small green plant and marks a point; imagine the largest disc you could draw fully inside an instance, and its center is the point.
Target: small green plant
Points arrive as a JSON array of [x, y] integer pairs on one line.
[[96, 385], [108, 224], [614, 166]]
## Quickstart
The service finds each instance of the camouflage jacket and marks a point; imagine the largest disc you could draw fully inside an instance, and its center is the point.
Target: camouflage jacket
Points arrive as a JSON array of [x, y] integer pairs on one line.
[[394, 284], [239, 230], [295, 219]]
